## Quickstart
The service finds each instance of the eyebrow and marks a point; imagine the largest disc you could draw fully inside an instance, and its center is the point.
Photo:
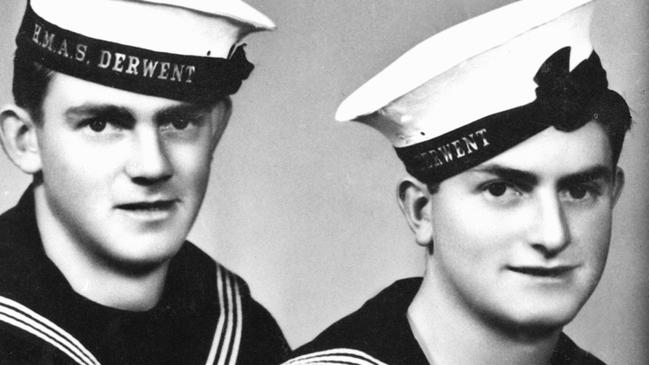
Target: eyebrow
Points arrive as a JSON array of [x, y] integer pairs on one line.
[[508, 173], [109, 111], [592, 173], [180, 111], [599, 172]]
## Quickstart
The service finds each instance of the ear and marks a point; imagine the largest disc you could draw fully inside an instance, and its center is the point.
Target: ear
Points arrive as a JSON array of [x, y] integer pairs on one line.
[[618, 184], [415, 203], [220, 115], [19, 139]]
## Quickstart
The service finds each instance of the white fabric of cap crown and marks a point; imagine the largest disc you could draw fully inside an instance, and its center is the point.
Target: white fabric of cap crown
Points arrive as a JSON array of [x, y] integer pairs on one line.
[[207, 28], [474, 69]]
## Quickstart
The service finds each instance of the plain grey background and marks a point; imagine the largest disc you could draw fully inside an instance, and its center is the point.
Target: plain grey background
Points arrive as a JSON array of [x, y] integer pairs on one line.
[[304, 208]]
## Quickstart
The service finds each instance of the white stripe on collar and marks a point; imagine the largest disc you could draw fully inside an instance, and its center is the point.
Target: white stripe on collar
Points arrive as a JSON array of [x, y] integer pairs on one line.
[[335, 356], [227, 337], [17, 315]]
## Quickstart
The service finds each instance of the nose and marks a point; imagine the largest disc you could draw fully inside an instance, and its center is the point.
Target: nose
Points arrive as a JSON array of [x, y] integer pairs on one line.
[[550, 231], [148, 163]]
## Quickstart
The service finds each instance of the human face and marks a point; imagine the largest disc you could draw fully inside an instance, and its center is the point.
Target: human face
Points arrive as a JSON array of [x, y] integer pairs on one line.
[[124, 174], [521, 240]]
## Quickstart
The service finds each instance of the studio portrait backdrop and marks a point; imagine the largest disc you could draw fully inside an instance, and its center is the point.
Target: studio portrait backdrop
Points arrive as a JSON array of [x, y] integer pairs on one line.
[[304, 208]]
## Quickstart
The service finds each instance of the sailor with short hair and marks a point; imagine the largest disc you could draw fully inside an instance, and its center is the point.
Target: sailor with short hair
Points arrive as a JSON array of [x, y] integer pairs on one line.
[[119, 106], [511, 138]]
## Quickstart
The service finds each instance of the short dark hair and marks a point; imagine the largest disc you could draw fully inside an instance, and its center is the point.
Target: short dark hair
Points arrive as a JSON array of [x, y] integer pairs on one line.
[[612, 113], [30, 85]]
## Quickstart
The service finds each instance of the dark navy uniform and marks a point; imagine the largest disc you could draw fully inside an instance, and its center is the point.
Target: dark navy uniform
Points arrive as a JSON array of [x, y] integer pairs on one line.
[[205, 315], [379, 334]]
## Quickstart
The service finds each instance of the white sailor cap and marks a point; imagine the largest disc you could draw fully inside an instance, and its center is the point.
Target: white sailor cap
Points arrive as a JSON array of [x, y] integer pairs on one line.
[[480, 87], [180, 49]]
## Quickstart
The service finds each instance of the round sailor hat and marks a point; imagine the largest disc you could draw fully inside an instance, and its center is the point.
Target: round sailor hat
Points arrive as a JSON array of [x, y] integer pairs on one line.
[[179, 49], [480, 87]]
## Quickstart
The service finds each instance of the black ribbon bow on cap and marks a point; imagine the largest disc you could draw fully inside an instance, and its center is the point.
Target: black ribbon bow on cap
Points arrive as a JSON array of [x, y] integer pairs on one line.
[[238, 68], [226, 75], [564, 100], [562, 95]]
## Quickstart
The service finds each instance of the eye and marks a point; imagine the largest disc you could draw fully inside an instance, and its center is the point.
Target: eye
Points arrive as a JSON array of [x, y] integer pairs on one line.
[[501, 192], [577, 192], [581, 192], [101, 125], [497, 189], [97, 125], [180, 124]]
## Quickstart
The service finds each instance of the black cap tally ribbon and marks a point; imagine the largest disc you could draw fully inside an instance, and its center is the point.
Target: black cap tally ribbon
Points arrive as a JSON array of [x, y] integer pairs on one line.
[[187, 78], [562, 100]]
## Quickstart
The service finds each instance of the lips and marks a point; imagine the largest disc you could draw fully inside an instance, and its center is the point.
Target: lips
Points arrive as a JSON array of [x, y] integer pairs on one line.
[[542, 271], [148, 206], [154, 211]]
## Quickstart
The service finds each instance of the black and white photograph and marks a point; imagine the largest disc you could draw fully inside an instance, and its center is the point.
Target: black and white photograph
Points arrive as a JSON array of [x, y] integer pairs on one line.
[[421, 182]]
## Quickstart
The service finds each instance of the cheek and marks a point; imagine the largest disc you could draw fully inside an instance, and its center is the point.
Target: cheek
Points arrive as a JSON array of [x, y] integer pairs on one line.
[[471, 226], [462, 234], [591, 234], [79, 175], [72, 162], [64, 161], [192, 162]]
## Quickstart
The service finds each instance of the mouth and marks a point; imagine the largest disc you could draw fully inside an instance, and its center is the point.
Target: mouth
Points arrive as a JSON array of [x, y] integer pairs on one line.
[[542, 271], [150, 210], [148, 206]]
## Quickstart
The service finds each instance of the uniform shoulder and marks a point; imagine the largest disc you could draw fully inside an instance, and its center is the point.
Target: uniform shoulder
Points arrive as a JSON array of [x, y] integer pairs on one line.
[[340, 356], [17, 225], [568, 353], [199, 263], [243, 325], [365, 333]]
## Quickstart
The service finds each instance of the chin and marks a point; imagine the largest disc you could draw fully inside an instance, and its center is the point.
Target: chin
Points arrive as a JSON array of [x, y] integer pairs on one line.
[[533, 320], [543, 324], [139, 265], [143, 255]]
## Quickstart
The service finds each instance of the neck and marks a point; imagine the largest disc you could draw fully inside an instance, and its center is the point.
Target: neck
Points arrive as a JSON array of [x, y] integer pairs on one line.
[[449, 332], [97, 279]]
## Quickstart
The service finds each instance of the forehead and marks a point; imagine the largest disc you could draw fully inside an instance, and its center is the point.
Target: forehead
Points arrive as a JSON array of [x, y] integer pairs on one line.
[[554, 154], [554, 150], [66, 91]]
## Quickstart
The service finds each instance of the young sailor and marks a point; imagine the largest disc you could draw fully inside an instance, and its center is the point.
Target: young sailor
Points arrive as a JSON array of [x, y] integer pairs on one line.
[[511, 138], [119, 106]]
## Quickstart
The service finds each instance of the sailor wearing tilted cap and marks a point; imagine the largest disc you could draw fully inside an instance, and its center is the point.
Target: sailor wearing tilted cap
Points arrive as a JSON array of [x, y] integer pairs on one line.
[[119, 105], [511, 137]]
